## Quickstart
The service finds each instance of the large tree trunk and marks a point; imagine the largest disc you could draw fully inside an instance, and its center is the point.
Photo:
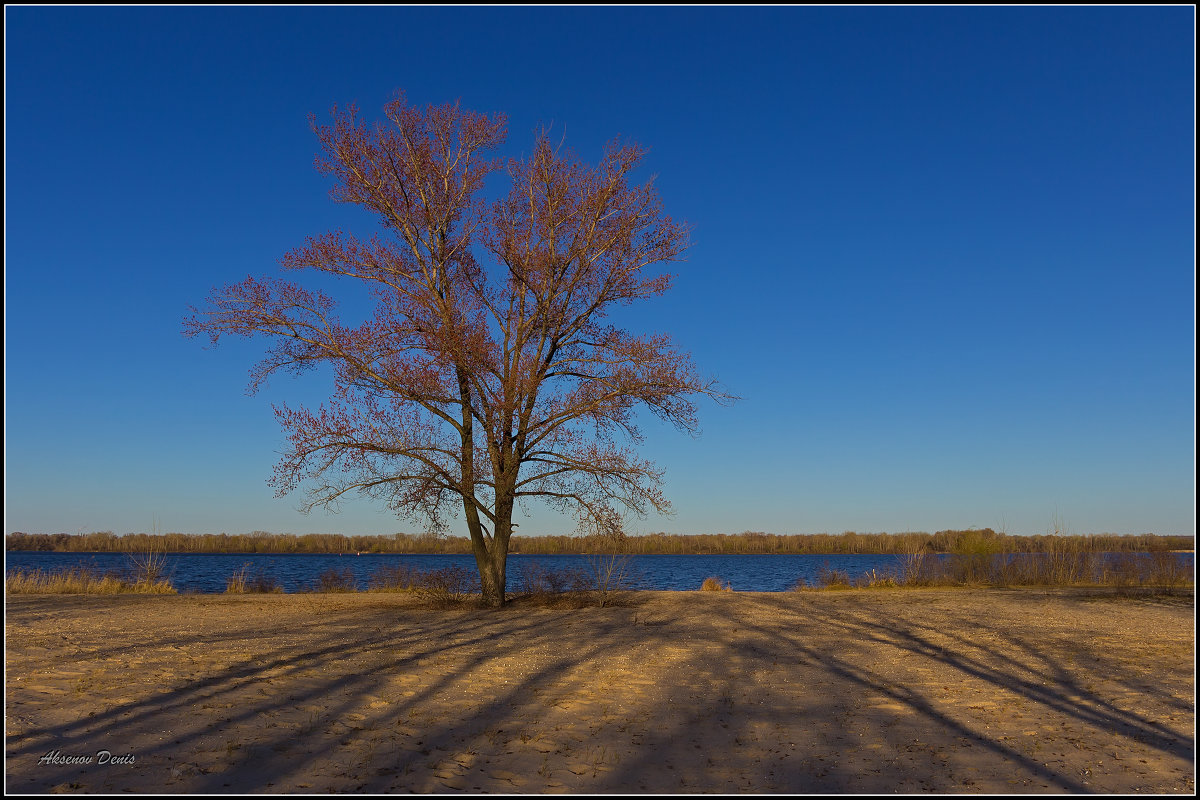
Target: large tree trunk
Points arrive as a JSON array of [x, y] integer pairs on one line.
[[492, 572], [491, 558], [489, 581]]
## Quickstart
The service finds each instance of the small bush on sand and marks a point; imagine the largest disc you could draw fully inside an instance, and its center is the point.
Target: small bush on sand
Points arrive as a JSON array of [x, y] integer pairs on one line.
[[448, 586], [715, 584], [393, 578], [243, 582], [547, 586], [332, 580], [612, 576], [149, 567], [262, 583], [1167, 571], [606, 579], [828, 578]]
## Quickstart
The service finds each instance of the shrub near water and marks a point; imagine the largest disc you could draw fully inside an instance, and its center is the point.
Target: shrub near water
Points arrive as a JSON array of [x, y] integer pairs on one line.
[[611, 575], [448, 586], [547, 586], [1166, 570], [828, 578], [394, 578], [606, 579], [242, 582], [332, 580], [443, 587]]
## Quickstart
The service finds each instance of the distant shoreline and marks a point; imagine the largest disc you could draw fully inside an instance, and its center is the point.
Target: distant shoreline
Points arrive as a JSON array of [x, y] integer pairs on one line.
[[971, 541], [511, 553]]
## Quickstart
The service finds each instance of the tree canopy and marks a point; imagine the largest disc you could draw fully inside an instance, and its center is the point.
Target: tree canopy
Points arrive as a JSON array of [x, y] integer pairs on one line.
[[488, 375]]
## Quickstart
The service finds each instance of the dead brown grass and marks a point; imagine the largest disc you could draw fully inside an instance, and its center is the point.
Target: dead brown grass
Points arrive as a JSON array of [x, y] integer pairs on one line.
[[80, 581], [715, 584]]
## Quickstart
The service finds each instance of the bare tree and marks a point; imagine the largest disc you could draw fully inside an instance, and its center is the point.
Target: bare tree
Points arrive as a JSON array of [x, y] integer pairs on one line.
[[475, 389]]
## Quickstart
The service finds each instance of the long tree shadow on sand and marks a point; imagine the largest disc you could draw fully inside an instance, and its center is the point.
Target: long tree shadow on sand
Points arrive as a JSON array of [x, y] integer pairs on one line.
[[877, 709], [682, 693]]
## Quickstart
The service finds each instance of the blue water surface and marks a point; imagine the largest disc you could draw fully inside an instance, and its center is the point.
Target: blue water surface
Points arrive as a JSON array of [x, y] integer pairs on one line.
[[208, 572]]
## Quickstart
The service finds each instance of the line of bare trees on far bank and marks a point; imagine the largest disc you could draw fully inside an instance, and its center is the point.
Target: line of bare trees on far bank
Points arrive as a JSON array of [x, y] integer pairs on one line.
[[970, 541]]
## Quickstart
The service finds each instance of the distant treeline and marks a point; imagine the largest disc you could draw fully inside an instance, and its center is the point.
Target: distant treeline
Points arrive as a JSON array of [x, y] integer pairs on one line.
[[972, 541]]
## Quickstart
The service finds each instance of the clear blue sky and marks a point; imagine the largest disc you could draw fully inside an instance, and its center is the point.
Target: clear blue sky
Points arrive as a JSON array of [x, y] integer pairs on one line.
[[946, 256]]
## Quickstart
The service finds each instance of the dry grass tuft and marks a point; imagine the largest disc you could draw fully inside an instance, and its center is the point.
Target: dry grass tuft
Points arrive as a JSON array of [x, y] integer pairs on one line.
[[715, 584], [877, 580]]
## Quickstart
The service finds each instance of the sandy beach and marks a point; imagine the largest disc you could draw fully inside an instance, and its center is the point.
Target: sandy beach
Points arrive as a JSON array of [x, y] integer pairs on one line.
[[675, 692]]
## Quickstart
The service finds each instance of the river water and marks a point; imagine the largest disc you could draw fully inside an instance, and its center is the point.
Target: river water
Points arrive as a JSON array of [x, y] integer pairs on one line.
[[208, 572]]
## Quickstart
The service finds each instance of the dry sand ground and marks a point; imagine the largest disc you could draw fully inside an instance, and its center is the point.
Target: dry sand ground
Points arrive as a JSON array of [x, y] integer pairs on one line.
[[866, 691]]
